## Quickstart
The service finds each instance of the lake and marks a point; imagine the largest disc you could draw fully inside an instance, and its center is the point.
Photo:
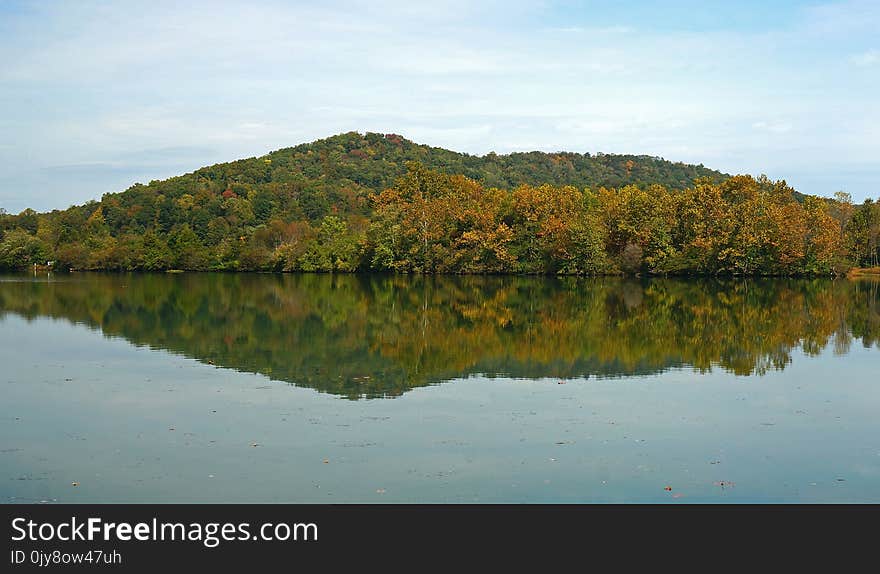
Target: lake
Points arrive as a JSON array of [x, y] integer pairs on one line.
[[374, 388]]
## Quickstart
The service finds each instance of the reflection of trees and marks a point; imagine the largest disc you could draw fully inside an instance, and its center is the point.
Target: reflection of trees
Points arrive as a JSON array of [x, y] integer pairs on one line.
[[382, 335]]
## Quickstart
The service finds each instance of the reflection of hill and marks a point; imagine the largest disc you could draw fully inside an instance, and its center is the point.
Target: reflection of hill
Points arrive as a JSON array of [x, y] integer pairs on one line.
[[382, 335]]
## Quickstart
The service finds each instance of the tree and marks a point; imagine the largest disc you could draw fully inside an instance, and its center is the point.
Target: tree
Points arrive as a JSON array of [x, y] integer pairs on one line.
[[336, 248], [154, 253], [587, 252], [21, 249], [417, 207], [822, 246], [187, 249], [28, 221]]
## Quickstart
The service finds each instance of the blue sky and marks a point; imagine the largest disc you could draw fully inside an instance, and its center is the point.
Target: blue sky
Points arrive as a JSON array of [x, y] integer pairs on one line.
[[95, 96]]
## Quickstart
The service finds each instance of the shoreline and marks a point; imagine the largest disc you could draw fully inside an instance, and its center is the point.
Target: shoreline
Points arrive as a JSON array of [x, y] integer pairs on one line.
[[858, 272], [872, 272]]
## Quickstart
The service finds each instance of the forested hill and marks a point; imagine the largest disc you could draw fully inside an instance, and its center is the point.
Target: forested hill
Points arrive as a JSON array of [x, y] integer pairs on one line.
[[375, 161], [336, 174], [378, 202]]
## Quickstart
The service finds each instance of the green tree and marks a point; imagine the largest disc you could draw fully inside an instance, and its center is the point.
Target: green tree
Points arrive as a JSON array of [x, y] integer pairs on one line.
[[20, 249], [154, 253]]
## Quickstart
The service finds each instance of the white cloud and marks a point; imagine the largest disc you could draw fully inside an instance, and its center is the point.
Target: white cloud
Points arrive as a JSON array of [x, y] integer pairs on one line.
[[773, 127], [865, 59]]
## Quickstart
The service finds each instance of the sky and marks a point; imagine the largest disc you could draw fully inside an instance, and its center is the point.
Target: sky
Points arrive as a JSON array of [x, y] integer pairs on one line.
[[95, 96]]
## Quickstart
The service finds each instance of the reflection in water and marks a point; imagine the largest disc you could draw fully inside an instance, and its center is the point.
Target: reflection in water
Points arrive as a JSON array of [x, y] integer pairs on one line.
[[374, 335]]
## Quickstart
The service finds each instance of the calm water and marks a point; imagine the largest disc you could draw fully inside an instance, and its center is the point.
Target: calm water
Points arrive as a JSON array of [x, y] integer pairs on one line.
[[315, 388]]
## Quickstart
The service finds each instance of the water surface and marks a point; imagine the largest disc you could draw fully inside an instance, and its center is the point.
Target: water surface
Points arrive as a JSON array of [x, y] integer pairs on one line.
[[318, 388]]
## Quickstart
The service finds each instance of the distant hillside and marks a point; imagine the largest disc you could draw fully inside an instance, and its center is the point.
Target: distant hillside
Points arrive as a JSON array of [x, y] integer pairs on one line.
[[379, 202], [335, 174], [376, 160]]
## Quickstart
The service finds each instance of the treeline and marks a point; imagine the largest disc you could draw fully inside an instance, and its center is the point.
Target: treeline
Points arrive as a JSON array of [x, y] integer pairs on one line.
[[435, 223], [346, 204]]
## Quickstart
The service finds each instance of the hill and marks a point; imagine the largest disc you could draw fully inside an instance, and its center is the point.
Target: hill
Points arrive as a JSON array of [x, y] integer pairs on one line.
[[336, 174], [354, 202], [375, 161]]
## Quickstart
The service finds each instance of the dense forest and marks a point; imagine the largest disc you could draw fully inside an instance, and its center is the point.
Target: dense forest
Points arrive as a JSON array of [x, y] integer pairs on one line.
[[373, 335], [377, 202]]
